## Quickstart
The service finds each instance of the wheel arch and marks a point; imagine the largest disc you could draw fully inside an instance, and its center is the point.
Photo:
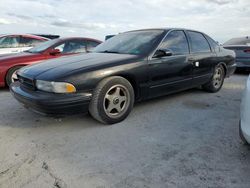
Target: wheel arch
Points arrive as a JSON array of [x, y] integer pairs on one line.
[[9, 69], [133, 82], [224, 66]]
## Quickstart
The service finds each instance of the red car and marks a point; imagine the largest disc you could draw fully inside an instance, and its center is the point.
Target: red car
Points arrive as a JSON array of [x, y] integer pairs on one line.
[[18, 43], [9, 64]]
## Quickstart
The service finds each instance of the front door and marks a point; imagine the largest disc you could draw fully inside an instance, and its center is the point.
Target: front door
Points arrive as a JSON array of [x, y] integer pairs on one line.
[[174, 72]]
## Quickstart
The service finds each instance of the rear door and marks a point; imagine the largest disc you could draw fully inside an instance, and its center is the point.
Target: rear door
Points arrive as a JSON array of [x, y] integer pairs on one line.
[[171, 73], [202, 57]]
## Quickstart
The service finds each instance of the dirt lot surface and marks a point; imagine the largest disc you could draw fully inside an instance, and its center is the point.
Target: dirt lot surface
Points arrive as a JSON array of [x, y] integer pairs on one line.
[[189, 139]]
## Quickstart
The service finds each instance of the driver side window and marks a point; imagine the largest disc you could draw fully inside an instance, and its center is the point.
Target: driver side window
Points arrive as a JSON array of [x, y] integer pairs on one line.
[[72, 47], [176, 42]]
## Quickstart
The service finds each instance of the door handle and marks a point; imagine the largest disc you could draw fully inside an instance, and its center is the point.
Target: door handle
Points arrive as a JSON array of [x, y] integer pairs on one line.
[[196, 64]]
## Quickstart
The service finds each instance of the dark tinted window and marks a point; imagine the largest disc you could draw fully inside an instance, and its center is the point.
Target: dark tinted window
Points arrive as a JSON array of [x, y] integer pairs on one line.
[[176, 41], [72, 47], [214, 45], [27, 42], [9, 42], [91, 45], [198, 42], [134, 42]]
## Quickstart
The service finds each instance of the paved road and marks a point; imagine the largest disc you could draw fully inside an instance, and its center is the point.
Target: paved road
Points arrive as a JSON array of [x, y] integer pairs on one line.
[[186, 140]]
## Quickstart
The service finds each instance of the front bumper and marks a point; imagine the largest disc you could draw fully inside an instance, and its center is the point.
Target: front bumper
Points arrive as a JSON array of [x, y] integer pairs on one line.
[[245, 112], [245, 130], [51, 103]]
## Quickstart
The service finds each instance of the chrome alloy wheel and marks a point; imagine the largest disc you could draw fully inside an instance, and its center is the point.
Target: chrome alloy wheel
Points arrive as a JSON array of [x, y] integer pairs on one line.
[[218, 77], [14, 77], [116, 101]]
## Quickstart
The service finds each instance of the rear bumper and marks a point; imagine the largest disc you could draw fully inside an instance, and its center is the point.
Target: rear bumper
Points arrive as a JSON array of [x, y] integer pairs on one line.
[[243, 63], [51, 103]]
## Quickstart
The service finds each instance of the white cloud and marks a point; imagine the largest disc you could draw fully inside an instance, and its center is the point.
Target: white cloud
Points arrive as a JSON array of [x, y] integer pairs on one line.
[[4, 21], [222, 19]]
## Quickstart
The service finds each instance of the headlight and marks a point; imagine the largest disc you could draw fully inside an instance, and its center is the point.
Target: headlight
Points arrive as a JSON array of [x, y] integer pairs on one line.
[[56, 87]]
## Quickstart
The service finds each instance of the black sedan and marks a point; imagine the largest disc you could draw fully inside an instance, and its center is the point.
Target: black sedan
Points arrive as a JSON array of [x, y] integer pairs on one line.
[[241, 46], [129, 67]]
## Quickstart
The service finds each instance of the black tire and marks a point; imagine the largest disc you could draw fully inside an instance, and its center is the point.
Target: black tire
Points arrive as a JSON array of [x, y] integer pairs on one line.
[[211, 85], [98, 105], [10, 73], [244, 141]]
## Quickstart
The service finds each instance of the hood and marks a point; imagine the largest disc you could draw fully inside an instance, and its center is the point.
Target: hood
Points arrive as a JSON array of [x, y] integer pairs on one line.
[[60, 67]]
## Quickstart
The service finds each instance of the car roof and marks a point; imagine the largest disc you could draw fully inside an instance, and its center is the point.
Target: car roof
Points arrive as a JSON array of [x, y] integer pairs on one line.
[[166, 29], [82, 38], [25, 35]]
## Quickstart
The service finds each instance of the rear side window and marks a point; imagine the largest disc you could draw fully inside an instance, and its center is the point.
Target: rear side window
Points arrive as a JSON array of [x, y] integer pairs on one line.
[[198, 42], [176, 41], [214, 45], [91, 45], [29, 42]]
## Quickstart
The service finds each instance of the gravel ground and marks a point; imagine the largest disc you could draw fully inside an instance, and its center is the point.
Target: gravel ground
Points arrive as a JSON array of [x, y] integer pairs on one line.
[[189, 139]]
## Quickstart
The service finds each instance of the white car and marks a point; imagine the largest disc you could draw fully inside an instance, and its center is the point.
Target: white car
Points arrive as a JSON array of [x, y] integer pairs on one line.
[[245, 114], [18, 43]]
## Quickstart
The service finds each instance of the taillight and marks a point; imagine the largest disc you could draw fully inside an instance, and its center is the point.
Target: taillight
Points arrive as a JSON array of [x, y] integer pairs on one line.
[[247, 51]]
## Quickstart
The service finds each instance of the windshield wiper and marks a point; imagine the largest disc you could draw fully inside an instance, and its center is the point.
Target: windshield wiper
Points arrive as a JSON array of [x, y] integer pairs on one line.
[[109, 51]]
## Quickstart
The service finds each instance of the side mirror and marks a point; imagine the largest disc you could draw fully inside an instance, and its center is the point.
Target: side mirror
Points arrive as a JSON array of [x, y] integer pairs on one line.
[[54, 51], [162, 53]]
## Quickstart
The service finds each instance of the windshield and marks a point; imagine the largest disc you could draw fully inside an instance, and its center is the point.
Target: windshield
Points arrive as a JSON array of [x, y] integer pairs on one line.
[[43, 46], [135, 42]]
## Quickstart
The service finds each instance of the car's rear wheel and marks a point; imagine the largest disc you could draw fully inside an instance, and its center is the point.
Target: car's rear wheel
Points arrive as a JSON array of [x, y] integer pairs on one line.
[[216, 82], [12, 75], [112, 100]]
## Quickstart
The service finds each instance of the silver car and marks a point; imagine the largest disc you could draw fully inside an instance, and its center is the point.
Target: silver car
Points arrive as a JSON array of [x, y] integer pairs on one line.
[[241, 46], [245, 114]]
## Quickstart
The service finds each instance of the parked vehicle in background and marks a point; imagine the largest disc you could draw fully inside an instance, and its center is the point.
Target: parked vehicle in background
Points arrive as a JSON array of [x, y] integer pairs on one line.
[[241, 46], [9, 64], [109, 37], [128, 67], [49, 36], [18, 43], [245, 115]]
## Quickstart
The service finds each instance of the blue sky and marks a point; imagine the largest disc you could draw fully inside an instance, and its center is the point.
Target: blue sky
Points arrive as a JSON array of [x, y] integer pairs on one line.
[[221, 19]]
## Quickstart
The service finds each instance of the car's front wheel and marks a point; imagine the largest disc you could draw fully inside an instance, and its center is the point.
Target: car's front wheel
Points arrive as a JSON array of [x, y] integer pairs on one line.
[[216, 82], [112, 100]]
